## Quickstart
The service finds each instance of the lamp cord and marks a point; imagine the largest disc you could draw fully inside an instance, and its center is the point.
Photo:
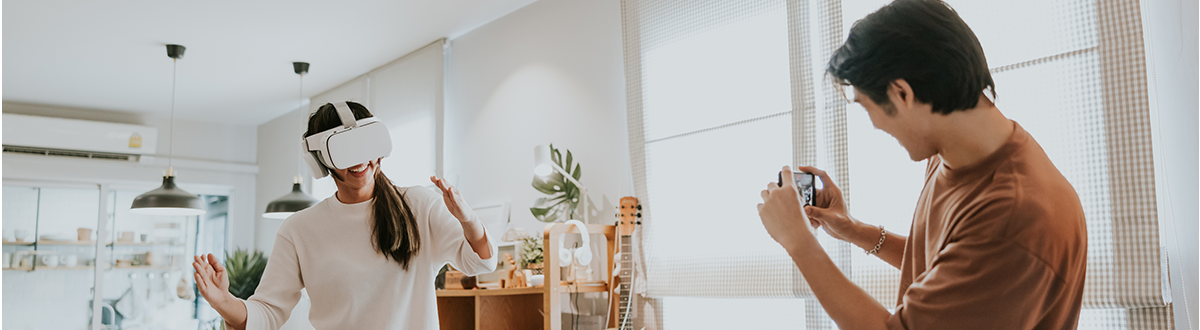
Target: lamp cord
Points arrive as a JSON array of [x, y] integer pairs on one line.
[[303, 123], [171, 143]]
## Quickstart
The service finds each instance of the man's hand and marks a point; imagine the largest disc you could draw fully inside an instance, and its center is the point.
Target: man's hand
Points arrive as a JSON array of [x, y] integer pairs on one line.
[[782, 215], [454, 200], [212, 280], [830, 210]]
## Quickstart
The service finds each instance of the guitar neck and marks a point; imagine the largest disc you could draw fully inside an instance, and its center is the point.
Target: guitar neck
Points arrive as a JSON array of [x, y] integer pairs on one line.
[[624, 318]]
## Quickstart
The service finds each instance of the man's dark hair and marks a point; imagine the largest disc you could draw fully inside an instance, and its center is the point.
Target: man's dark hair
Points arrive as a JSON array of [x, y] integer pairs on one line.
[[923, 42]]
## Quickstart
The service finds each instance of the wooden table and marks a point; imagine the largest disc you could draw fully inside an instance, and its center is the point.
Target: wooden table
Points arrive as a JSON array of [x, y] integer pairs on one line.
[[490, 309]]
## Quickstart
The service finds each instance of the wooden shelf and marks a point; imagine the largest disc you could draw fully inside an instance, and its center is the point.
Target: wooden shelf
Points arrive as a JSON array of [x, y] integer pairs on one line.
[[582, 288], [144, 267], [499, 292], [524, 308], [63, 268], [18, 243], [143, 244], [66, 243], [20, 268]]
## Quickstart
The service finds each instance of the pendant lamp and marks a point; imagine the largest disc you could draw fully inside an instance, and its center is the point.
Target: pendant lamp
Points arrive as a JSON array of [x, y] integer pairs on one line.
[[297, 200], [169, 199]]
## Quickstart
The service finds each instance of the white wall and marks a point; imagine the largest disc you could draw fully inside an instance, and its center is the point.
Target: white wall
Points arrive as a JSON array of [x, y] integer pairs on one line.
[[551, 72], [1171, 30]]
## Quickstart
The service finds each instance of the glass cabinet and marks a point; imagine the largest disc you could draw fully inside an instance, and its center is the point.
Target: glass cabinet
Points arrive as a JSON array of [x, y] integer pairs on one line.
[[52, 241]]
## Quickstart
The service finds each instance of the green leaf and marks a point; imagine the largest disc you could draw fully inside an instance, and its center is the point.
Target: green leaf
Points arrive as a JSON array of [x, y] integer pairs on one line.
[[545, 187], [245, 272], [578, 171], [568, 167]]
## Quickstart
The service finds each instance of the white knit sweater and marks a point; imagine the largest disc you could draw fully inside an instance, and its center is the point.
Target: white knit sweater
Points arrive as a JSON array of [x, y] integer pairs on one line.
[[327, 249]]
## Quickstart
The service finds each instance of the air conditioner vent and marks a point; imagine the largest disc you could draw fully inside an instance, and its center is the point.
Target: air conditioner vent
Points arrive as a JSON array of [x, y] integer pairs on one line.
[[71, 153]]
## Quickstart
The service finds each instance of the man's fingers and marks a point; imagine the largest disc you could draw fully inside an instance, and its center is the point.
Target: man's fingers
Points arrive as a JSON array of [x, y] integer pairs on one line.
[[825, 180], [788, 179], [760, 205], [765, 194]]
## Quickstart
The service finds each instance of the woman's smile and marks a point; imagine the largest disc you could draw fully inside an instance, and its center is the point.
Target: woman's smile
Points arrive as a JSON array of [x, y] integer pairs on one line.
[[360, 170]]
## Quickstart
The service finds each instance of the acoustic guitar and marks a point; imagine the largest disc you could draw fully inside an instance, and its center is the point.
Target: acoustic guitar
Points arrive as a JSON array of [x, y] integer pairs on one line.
[[629, 215]]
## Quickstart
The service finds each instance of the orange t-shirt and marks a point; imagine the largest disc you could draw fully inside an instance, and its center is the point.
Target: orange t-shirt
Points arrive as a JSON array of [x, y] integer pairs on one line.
[[999, 245]]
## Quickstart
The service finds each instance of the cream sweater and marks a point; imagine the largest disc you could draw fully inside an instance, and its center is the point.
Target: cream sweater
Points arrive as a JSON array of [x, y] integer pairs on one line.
[[327, 249]]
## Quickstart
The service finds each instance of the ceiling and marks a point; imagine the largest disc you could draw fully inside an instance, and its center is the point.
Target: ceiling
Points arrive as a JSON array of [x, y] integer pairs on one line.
[[110, 55]]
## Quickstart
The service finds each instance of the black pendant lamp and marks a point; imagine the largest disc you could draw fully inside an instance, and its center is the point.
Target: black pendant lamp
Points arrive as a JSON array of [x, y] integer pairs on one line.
[[297, 200], [169, 199]]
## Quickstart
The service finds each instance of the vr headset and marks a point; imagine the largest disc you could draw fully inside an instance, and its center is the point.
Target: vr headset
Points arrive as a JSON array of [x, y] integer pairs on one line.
[[342, 147]]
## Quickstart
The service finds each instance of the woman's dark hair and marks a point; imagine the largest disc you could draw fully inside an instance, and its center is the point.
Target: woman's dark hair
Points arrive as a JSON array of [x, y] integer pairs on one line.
[[923, 42], [394, 226]]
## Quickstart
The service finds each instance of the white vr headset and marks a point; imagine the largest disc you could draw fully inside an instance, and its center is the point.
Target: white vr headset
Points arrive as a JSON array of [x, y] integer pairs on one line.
[[342, 147]]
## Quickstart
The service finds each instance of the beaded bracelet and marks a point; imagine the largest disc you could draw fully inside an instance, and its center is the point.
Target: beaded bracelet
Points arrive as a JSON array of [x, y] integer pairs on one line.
[[882, 235]]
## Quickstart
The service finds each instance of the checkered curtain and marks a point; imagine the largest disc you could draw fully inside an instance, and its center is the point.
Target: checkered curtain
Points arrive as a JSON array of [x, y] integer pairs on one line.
[[1079, 87]]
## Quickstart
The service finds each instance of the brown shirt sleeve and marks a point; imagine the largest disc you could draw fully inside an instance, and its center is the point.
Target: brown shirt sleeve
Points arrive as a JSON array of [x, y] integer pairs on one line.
[[980, 280]]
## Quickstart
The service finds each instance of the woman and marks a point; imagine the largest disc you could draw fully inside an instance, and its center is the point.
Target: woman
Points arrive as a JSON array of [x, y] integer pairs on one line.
[[368, 255]]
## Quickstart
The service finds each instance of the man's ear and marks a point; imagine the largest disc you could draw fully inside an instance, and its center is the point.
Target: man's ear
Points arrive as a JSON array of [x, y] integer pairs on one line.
[[901, 94]]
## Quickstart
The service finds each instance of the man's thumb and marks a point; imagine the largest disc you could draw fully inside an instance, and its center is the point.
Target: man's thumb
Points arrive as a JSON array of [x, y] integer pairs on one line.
[[814, 212]]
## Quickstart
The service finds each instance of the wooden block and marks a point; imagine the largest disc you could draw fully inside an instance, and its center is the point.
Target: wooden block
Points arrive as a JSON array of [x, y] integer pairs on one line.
[[454, 280]]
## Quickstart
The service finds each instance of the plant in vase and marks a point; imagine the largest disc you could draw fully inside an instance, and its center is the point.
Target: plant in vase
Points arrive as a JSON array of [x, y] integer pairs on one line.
[[563, 199], [245, 271], [531, 255]]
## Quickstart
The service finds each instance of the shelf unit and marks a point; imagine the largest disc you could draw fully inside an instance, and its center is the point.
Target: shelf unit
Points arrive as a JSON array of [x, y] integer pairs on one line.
[[521, 308]]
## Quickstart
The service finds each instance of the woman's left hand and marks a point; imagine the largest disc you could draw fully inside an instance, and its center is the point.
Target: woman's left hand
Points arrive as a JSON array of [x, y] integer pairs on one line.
[[454, 200]]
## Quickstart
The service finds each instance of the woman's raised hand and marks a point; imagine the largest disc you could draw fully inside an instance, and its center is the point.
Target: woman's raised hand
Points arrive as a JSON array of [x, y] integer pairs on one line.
[[212, 280], [454, 200]]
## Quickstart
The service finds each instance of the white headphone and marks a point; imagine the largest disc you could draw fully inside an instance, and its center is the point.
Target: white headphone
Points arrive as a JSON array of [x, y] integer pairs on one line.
[[583, 254]]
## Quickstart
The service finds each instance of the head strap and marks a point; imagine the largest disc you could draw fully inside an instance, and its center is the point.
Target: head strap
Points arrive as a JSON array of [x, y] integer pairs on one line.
[[347, 116]]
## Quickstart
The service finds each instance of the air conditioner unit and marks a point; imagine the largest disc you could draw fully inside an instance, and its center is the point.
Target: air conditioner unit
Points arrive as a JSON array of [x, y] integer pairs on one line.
[[78, 138]]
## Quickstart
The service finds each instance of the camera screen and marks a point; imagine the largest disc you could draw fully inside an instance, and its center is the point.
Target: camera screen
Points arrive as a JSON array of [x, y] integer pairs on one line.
[[804, 184]]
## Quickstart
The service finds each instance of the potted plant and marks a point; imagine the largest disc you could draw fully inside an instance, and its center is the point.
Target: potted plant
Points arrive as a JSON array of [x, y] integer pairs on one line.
[[245, 271], [531, 256], [563, 195]]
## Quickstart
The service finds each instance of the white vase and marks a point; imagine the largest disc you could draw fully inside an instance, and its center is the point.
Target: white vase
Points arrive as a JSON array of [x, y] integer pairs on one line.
[[71, 260], [50, 260]]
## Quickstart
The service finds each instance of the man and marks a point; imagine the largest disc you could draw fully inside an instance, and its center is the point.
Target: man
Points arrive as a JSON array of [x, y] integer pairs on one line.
[[998, 239]]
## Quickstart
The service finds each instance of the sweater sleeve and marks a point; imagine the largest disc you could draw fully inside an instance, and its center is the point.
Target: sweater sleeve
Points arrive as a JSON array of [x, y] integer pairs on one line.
[[278, 291], [450, 244]]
